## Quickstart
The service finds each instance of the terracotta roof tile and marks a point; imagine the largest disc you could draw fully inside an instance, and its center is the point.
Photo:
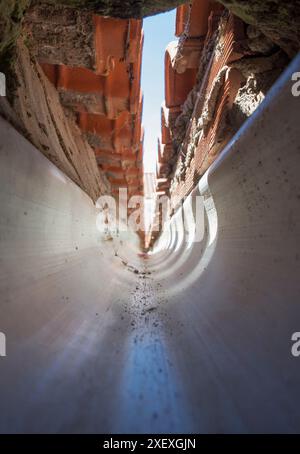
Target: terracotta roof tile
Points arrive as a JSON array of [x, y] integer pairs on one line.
[[198, 18], [177, 86], [108, 101]]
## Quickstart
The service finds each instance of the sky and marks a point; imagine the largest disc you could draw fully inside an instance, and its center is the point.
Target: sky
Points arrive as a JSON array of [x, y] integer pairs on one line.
[[159, 31]]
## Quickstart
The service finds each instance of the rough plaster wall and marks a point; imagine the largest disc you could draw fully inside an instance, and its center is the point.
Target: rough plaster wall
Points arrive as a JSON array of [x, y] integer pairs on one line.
[[61, 35], [122, 8], [39, 112], [279, 20], [257, 72], [12, 14]]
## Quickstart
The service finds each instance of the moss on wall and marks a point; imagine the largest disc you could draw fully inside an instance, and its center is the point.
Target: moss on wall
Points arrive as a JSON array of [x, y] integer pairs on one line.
[[11, 15]]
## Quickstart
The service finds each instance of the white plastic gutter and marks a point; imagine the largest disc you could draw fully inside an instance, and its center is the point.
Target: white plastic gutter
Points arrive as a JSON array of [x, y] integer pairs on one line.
[[202, 344]]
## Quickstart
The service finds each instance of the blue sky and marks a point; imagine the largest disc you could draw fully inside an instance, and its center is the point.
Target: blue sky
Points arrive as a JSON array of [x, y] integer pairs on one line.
[[159, 31]]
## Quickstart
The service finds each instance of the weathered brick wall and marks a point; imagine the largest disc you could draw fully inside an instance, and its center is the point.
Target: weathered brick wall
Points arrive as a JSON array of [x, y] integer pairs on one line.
[[235, 65], [37, 112], [93, 69]]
